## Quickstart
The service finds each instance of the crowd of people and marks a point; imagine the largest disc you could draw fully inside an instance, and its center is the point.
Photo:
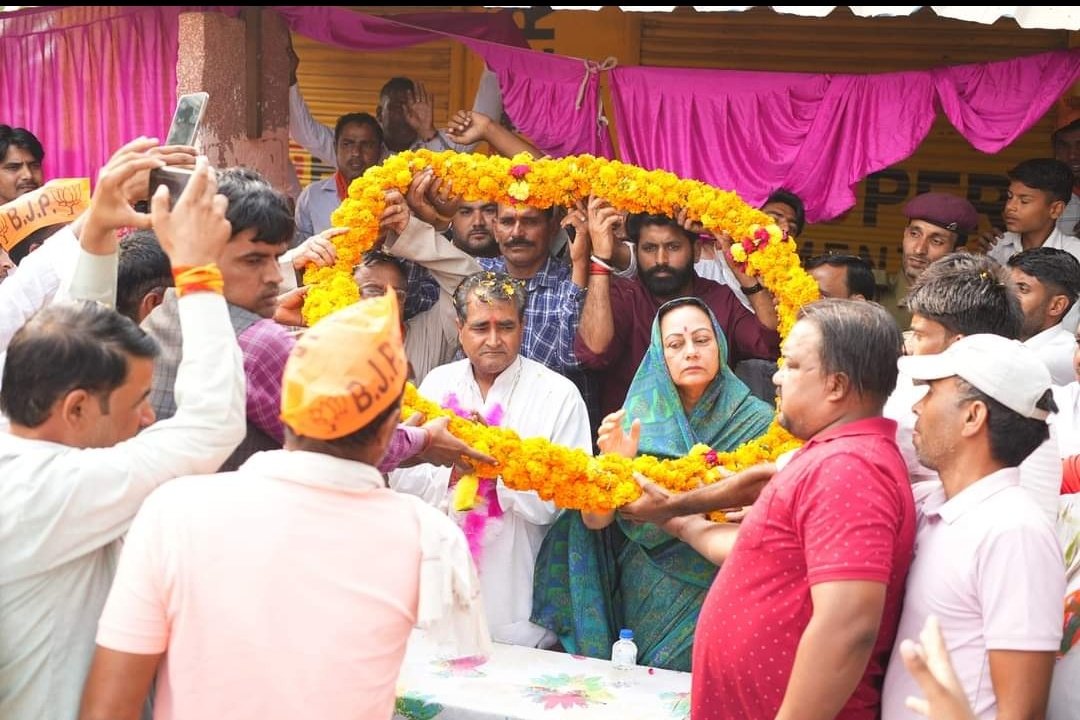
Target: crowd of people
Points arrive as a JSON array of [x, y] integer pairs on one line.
[[208, 509]]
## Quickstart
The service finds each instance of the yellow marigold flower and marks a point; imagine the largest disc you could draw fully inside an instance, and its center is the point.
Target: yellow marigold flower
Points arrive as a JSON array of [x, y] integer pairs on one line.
[[519, 190]]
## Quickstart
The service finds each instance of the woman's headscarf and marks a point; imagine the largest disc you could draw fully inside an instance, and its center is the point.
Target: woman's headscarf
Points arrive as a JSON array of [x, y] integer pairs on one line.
[[726, 416]]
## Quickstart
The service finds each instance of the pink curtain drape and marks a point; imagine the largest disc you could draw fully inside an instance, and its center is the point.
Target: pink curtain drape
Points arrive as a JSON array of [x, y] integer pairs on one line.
[[344, 28], [819, 135], [86, 80], [991, 104], [540, 91], [553, 100]]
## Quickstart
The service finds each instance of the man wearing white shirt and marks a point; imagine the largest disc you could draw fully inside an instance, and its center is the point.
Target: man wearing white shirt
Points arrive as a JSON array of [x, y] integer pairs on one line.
[[506, 527], [964, 294], [74, 470], [1047, 283], [396, 102], [357, 141], [987, 560], [1039, 191]]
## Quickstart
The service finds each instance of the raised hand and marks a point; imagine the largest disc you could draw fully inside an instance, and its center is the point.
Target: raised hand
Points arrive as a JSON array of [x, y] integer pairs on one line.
[[611, 438], [603, 219], [418, 197], [127, 169], [468, 127], [442, 196], [420, 112], [317, 250], [984, 242], [580, 245], [928, 662], [195, 230]]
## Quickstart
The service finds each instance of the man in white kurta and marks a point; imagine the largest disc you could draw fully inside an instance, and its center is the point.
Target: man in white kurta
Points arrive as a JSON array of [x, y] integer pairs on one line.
[[67, 496], [533, 401]]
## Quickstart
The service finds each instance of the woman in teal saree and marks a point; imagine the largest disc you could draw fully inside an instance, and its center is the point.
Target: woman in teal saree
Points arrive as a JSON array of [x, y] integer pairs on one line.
[[589, 583]]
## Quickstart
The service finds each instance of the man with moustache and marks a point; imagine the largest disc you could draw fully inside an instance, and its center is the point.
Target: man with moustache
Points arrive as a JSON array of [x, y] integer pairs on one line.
[[20, 172], [554, 289], [801, 617], [506, 526], [938, 223], [357, 146], [665, 260], [989, 565], [21, 154]]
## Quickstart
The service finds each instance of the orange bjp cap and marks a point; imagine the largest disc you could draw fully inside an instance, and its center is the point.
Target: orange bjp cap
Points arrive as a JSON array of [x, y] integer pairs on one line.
[[345, 370]]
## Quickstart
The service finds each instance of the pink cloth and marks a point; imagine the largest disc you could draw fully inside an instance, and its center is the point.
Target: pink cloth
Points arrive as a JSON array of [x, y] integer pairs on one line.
[[819, 135], [540, 93], [76, 61], [841, 509], [85, 80], [285, 590], [539, 90], [344, 28]]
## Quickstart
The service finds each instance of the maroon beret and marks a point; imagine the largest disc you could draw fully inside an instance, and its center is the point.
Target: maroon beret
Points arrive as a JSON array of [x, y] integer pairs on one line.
[[944, 210]]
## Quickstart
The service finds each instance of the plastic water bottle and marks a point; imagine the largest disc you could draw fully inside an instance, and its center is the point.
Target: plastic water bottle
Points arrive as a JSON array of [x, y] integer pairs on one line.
[[624, 651]]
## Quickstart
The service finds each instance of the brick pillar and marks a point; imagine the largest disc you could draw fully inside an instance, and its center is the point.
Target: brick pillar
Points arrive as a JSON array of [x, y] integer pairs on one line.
[[218, 55]]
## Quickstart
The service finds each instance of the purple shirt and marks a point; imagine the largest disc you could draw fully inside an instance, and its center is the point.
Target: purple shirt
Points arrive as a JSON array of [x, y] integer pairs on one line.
[[635, 307], [266, 346]]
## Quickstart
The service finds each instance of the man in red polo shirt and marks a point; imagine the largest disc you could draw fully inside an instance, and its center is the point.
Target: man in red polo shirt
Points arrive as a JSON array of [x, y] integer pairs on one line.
[[802, 616]]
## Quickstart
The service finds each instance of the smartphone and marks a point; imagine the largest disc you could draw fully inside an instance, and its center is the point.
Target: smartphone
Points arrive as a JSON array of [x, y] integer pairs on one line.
[[187, 118], [174, 178]]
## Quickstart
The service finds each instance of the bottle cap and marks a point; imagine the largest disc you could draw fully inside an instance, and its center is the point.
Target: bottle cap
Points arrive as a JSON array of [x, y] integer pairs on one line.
[[626, 634]]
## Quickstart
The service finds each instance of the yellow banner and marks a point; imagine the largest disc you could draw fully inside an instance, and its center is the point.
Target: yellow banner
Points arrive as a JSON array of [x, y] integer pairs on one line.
[[55, 202]]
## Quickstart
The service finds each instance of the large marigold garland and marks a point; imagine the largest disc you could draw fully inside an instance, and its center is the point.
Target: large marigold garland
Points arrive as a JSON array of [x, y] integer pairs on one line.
[[571, 478]]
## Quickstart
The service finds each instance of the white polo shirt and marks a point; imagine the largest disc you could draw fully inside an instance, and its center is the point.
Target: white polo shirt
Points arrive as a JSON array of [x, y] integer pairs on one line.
[[988, 565], [1065, 423], [1056, 346]]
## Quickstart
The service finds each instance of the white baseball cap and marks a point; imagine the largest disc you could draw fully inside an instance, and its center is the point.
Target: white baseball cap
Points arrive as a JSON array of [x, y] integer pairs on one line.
[[1006, 370]]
